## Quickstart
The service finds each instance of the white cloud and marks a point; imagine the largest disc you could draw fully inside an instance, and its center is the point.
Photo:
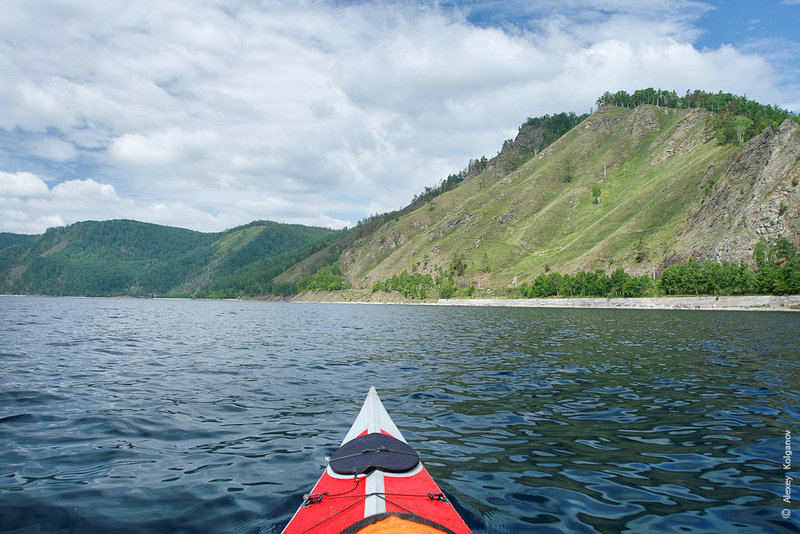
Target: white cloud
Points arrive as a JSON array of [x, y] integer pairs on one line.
[[31, 206], [21, 184], [163, 148], [84, 192], [310, 111], [28, 205]]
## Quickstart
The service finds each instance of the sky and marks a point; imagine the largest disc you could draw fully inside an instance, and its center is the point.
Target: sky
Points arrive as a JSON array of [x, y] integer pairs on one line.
[[209, 114]]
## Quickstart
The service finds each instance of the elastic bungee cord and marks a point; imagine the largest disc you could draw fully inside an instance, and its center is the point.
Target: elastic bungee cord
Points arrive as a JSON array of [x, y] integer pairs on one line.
[[313, 498]]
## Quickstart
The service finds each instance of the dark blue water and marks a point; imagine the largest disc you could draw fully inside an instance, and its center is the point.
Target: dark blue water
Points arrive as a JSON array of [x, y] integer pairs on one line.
[[181, 416]]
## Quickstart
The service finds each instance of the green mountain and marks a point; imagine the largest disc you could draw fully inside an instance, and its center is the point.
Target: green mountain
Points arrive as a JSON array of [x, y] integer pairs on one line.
[[122, 257], [638, 188], [7, 239]]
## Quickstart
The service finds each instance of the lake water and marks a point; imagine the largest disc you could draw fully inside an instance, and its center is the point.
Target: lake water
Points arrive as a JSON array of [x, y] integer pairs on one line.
[[203, 416]]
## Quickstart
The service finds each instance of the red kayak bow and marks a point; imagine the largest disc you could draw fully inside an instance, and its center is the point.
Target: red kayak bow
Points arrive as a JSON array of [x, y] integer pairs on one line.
[[375, 483]]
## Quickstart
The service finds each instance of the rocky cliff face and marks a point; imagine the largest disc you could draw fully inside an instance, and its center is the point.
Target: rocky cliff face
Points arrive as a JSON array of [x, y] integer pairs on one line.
[[759, 197]]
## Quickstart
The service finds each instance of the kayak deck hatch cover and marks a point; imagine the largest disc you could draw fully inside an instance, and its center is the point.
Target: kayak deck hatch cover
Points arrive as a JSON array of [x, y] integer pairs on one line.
[[375, 484]]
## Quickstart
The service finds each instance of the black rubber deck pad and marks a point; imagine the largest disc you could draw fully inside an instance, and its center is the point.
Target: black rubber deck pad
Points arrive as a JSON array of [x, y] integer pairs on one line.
[[374, 451]]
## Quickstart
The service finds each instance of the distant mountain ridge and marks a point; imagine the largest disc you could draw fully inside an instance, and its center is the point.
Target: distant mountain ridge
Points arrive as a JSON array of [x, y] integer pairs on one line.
[[123, 257]]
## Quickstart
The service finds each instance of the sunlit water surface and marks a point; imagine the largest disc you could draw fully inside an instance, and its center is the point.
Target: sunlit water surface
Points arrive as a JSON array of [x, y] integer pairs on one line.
[[199, 416]]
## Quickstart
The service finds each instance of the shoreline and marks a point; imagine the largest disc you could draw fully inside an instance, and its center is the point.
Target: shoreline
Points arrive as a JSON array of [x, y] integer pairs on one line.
[[784, 303], [773, 303]]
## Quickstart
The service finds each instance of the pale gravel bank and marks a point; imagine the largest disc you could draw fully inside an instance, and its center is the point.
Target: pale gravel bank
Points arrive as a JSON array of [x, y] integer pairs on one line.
[[748, 303]]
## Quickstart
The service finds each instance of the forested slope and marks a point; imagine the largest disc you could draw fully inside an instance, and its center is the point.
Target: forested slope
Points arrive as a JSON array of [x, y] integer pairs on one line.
[[122, 257]]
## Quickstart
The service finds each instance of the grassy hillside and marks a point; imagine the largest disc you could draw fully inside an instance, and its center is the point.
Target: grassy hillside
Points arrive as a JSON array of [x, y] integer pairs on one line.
[[123, 257], [615, 191], [534, 135]]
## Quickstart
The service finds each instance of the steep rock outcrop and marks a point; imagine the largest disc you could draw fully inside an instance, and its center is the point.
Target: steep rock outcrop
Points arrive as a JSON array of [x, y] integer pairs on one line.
[[758, 198]]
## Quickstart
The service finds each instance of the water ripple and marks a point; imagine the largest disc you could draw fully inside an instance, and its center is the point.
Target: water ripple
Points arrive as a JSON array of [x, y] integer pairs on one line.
[[165, 416]]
